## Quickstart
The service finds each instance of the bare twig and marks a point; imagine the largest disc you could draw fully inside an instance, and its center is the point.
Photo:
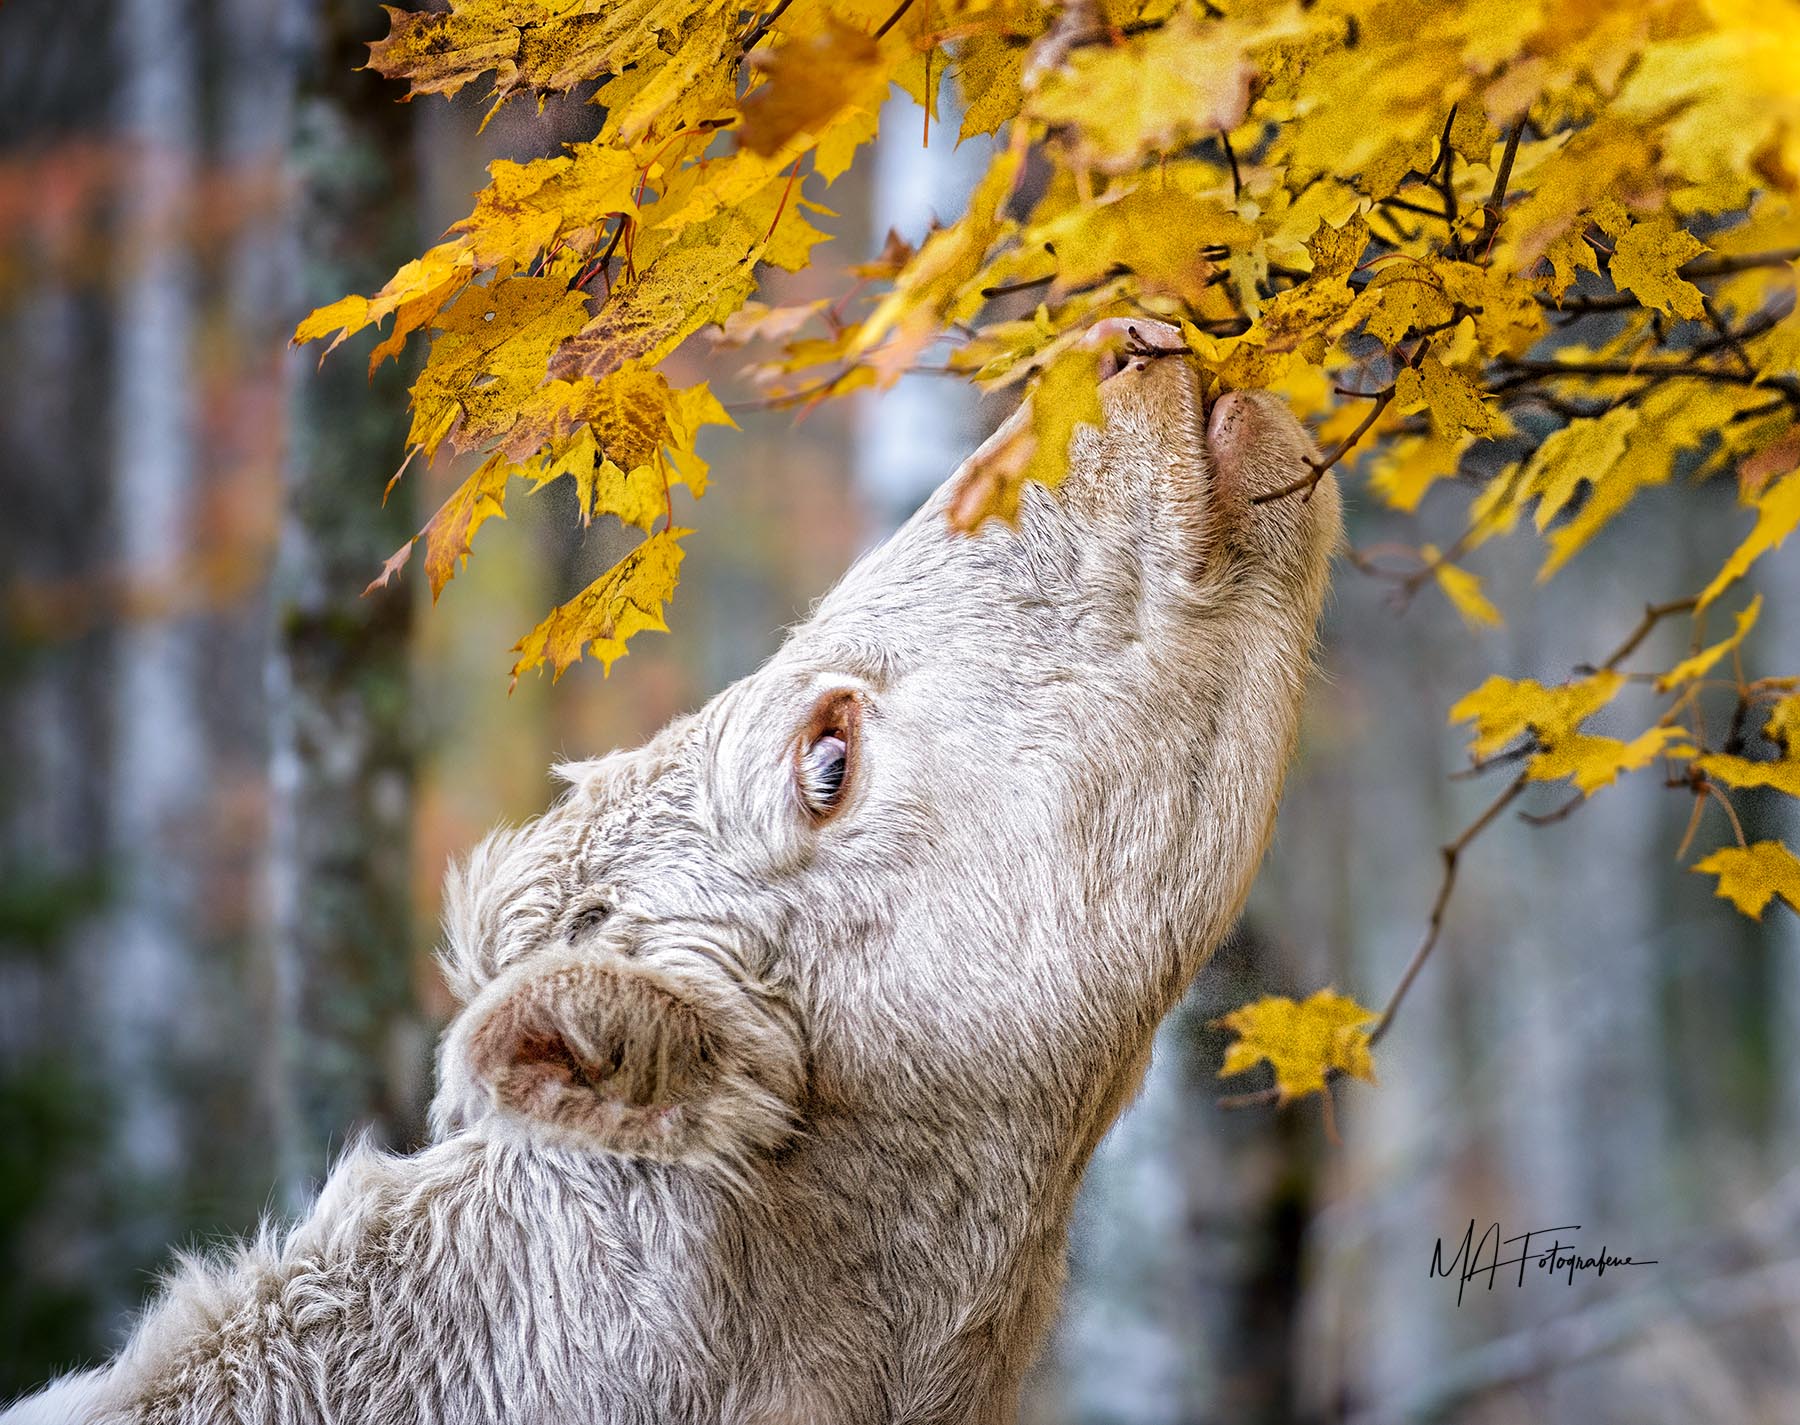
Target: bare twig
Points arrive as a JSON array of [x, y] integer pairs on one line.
[[1237, 182], [1490, 223], [894, 18], [1653, 615], [762, 26], [1316, 469], [1737, 827], [1734, 342], [1007, 288], [1549, 818], [1447, 182], [1452, 855]]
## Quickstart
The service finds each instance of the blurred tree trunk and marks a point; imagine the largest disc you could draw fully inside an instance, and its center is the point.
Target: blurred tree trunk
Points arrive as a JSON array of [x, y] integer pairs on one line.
[[155, 795], [347, 1045]]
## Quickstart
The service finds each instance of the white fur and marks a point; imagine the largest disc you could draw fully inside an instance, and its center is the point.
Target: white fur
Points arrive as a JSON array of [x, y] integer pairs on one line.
[[820, 1173]]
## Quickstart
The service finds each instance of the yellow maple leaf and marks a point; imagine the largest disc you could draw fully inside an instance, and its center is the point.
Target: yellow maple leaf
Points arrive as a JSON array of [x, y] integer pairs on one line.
[[1065, 396], [686, 288], [450, 532], [1783, 726], [440, 53], [1159, 90], [809, 81], [1157, 230], [1584, 449], [651, 104], [1454, 402], [1777, 512], [490, 354], [1407, 295], [1751, 876], [1463, 589], [412, 296], [989, 68], [1503, 709], [527, 207], [1699, 664], [1335, 251], [1595, 762], [1733, 771], [627, 599], [1403, 469], [1303, 1041], [1644, 263], [1568, 256]]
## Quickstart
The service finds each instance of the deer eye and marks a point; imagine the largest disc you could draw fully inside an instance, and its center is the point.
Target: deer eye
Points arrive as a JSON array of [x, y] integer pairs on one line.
[[825, 759]]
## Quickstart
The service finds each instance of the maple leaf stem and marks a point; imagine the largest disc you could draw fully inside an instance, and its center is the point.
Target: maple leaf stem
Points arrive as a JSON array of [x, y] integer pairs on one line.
[[605, 263], [781, 207], [1737, 827]]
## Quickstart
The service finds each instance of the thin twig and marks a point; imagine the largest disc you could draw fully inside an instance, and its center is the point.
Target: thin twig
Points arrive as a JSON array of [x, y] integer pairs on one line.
[[1499, 759], [1521, 372], [1406, 205], [1742, 262], [1490, 223], [1316, 468], [1006, 289], [1550, 817], [1237, 182], [1653, 615], [1734, 342], [1452, 855], [894, 18], [762, 27], [1447, 184]]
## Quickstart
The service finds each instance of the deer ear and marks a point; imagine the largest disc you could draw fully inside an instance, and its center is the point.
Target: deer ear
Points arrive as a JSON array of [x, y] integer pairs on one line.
[[631, 1058]]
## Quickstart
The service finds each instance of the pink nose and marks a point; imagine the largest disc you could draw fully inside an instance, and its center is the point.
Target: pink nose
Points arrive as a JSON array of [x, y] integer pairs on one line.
[[1228, 436]]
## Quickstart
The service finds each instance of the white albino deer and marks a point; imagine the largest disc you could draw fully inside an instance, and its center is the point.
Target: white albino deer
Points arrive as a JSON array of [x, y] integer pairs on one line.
[[787, 1037]]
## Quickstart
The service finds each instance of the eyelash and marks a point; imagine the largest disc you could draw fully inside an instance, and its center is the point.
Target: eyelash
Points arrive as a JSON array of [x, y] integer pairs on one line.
[[822, 772]]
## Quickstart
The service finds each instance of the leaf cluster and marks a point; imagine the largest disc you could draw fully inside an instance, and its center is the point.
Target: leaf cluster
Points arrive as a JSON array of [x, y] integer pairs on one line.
[[1536, 259]]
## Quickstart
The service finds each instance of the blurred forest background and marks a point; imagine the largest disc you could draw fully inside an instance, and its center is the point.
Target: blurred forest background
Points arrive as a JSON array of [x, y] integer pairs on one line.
[[230, 787]]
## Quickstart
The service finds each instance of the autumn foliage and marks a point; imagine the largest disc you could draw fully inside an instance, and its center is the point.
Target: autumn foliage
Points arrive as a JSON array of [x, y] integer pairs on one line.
[[1539, 255]]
